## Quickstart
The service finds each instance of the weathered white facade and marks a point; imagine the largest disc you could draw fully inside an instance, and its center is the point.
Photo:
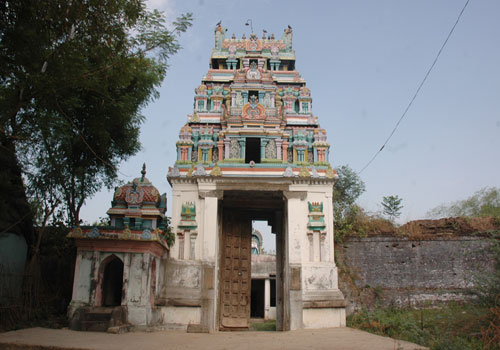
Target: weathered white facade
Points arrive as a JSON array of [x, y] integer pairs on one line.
[[309, 296]]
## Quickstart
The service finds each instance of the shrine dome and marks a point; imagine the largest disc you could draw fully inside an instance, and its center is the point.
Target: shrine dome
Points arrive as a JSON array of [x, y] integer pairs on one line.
[[136, 192]]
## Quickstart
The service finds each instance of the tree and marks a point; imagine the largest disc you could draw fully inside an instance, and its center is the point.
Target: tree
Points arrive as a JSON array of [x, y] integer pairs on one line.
[[485, 202], [346, 190], [74, 76], [392, 206]]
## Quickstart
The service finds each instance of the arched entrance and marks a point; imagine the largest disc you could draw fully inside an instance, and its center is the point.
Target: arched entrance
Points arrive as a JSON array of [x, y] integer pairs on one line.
[[112, 282]]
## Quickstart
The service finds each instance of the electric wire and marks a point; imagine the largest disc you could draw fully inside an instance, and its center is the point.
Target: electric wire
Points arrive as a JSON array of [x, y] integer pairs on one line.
[[418, 89]]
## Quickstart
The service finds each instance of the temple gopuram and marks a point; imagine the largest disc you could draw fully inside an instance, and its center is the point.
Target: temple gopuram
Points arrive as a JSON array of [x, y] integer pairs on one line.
[[251, 150], [253, 114]]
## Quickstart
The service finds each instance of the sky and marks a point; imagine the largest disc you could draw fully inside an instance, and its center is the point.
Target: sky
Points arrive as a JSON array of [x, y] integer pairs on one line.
[[363, 61]]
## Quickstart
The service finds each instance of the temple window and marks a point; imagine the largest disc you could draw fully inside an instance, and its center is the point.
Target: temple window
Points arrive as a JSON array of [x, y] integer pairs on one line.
[[296, 106], [252, 149], [252, 93], [118, 222], [132, 222], [201, 104]]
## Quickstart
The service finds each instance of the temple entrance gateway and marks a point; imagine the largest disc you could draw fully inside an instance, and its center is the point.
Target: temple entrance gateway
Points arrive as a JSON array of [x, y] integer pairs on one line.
[[239, 209], [252, 149], [235, 271]]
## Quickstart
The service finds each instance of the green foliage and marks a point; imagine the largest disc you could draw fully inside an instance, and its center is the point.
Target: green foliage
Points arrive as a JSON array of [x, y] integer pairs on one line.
[[74, 77], [346, 191], [168, 233], [485, 202], [267, 326], [451, 327], [392, 206], [356, 222]]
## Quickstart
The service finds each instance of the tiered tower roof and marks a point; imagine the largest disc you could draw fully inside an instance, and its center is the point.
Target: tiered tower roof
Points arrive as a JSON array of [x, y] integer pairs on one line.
[[252, 115]]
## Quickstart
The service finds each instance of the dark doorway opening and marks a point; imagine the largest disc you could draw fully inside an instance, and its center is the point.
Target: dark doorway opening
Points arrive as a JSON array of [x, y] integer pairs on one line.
[[273, 293], [258, 206], [112, 283], [252, 149], [257, 299]]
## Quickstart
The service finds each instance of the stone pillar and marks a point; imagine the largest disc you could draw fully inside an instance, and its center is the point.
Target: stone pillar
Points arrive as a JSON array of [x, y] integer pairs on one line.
[[278, 148], [285, 151], [190, 151], [94, 280], [178, 153], [227, 142], [322, 251], [297, 228], [192, 245], [263, 143], [146, 262], [220, 146], [267, 298], [209, 257], [180, 238], [242, 147]]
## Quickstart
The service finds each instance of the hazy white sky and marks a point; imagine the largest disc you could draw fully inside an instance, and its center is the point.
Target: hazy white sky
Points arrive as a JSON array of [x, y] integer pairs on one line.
[[362, 61]]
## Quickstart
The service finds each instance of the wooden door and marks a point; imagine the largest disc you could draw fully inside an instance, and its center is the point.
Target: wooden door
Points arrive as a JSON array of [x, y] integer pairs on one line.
[[235, 270]]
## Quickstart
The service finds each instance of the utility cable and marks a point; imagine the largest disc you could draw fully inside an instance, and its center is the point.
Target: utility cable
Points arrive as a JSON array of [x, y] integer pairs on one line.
[[418, 89]]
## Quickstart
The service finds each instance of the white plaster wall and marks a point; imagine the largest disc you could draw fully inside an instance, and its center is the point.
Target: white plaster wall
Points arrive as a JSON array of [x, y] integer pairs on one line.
[[297, 226], [177, 315], [139, 315], [182, 193], [324, 318], [321, 193], [271, 313], [82, 285], [134, 286]]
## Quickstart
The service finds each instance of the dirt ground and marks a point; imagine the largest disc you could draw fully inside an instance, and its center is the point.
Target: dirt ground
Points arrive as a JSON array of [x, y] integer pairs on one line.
[[332, 339]]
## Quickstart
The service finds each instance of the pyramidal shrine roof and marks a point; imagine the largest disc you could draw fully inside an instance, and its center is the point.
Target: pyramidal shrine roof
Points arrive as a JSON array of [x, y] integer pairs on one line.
[[252, 115]]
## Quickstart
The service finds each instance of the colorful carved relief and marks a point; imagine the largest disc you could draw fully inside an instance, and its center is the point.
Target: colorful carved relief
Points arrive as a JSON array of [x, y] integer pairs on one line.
[[316, 216], [137, 213], [252, 90]]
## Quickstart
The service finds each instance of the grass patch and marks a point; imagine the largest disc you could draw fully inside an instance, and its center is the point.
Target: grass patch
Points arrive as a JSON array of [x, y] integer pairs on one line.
[[267, 326], [449, 328]]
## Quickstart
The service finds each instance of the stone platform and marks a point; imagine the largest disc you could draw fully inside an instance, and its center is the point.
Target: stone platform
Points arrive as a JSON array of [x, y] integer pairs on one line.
[[332, 339]]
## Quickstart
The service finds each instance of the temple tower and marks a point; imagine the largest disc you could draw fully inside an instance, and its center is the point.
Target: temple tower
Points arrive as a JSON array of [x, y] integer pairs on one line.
[[252, 149]]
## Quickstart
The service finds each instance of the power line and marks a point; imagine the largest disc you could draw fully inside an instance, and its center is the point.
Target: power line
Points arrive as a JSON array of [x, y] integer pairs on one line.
[[418, 89]]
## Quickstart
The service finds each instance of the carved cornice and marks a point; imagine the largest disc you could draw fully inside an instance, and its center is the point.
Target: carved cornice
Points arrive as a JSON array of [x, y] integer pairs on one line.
[[210, 194], [295, 195]]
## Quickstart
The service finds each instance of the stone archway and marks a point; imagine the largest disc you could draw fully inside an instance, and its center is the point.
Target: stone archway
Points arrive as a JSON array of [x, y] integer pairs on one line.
[[112, 281]]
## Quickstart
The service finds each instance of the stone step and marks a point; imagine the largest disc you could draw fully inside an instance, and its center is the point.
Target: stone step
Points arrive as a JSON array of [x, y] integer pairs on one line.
[[97, 316], [95, 326]]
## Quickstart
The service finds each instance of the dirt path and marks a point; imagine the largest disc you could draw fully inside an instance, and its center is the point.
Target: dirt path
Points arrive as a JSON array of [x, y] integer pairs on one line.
[[331, 339]]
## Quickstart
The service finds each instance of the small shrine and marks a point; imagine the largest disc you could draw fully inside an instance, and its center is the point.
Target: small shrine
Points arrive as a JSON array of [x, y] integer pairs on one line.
[[118, 267]]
